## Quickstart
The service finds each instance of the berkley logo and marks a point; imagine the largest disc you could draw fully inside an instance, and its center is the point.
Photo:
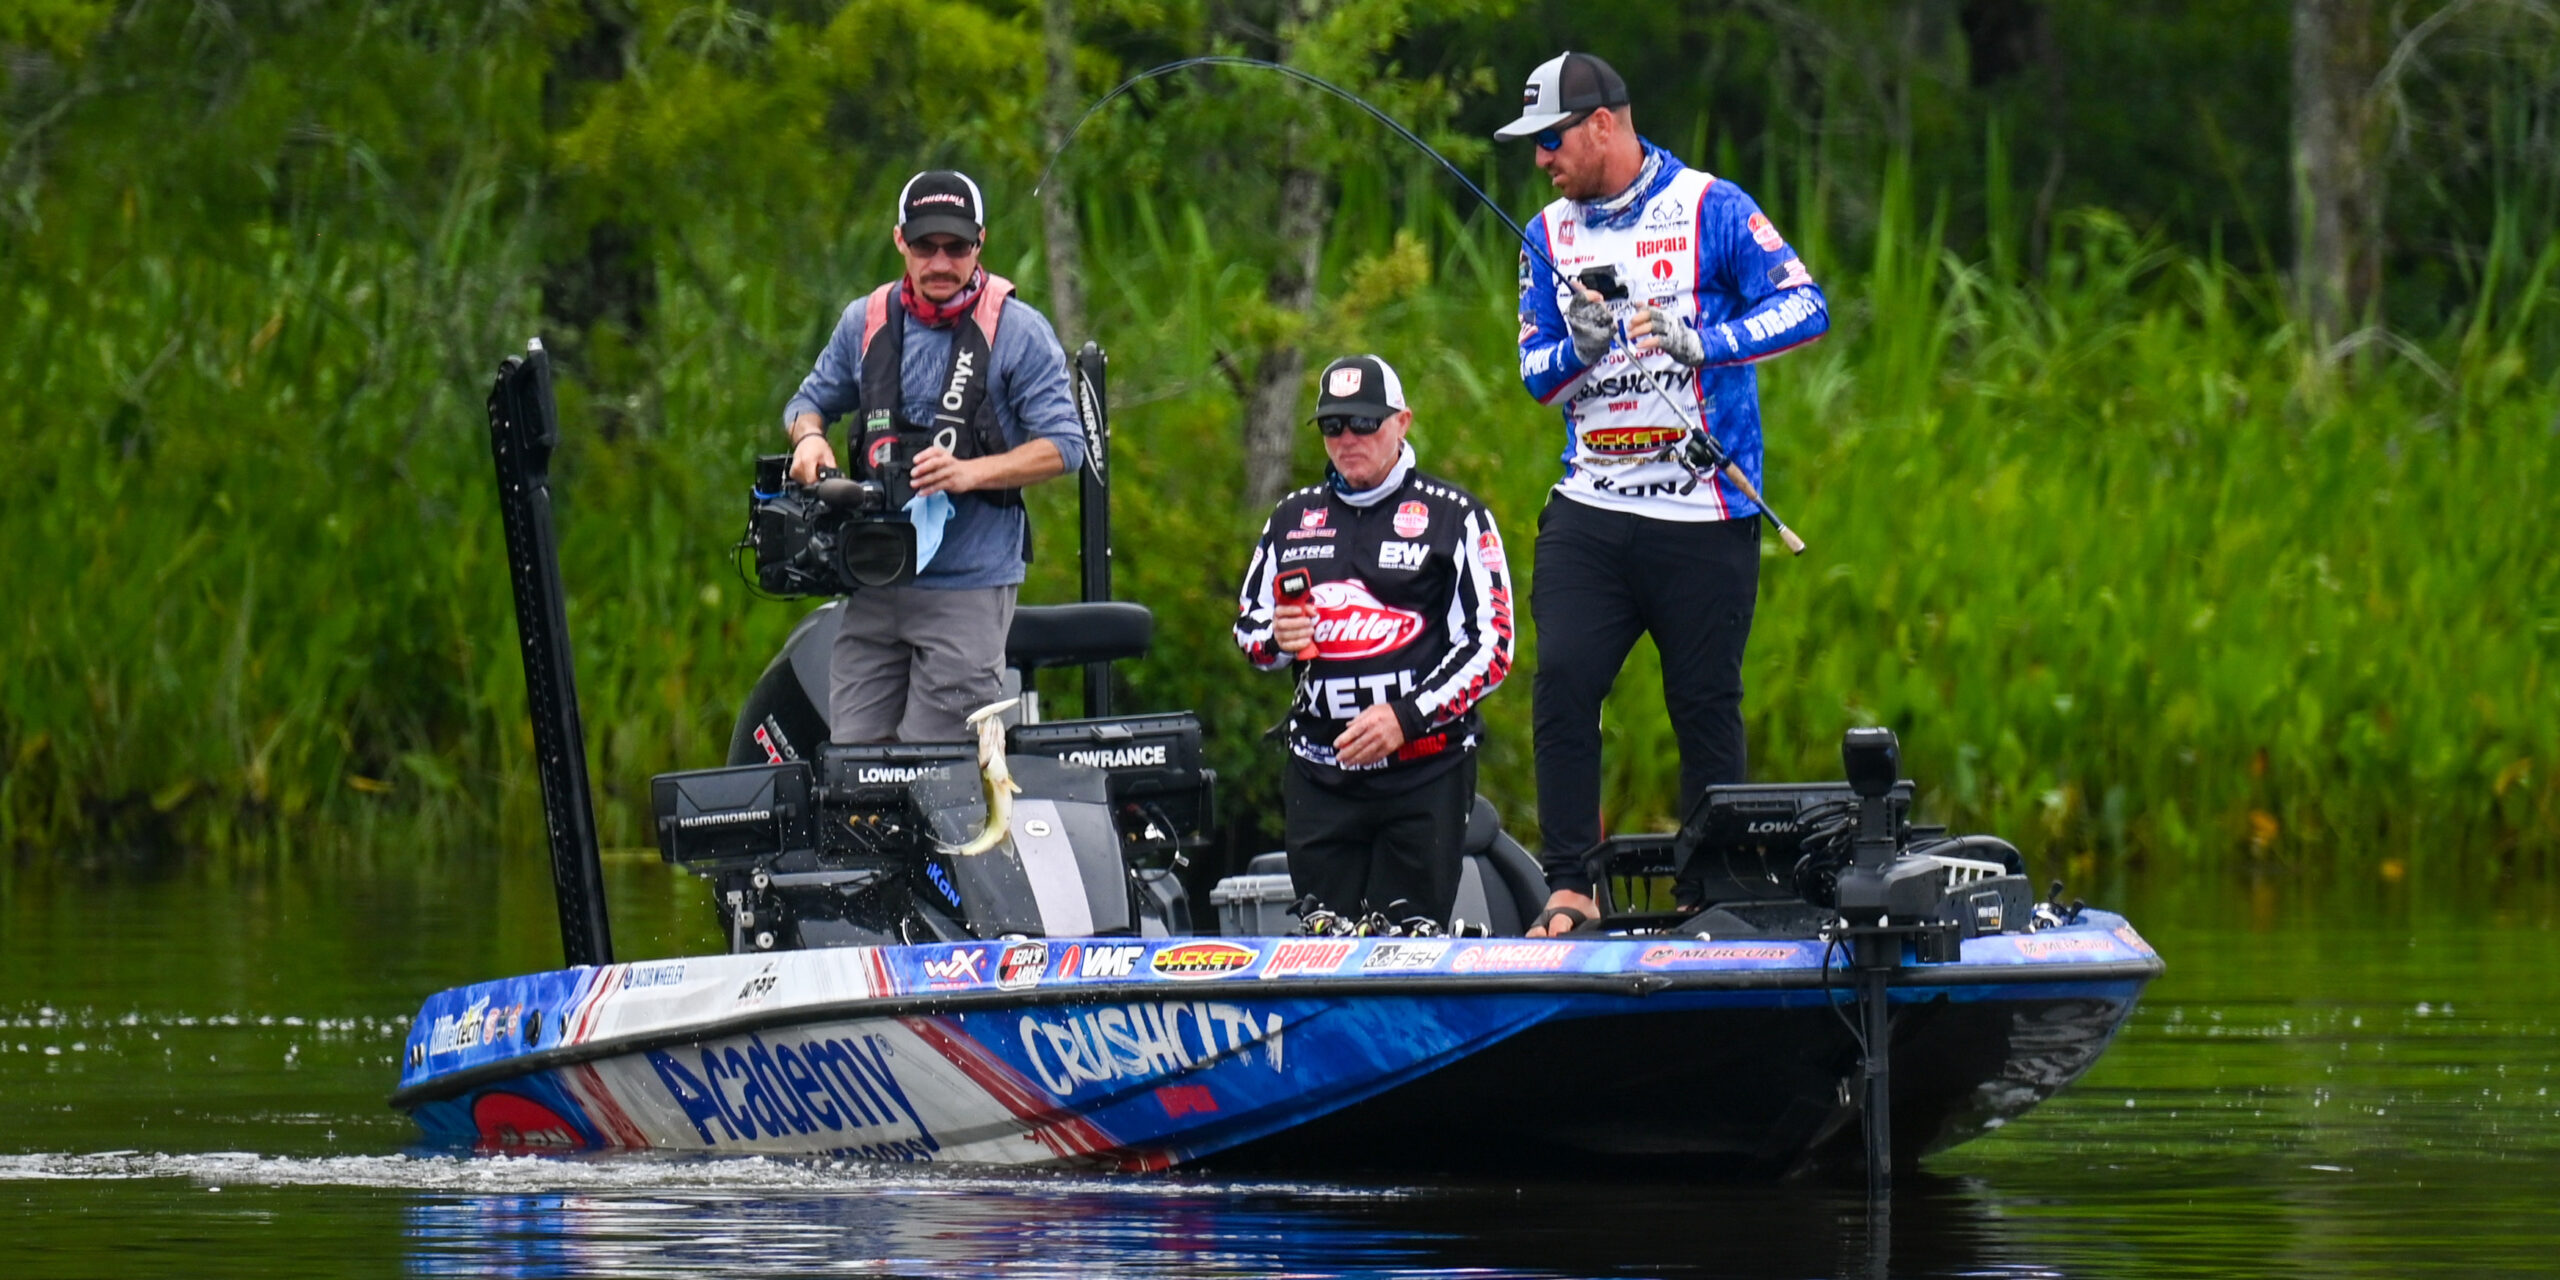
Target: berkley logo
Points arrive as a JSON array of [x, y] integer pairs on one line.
[[1351, 623], [1668, 244], [1629, 439], [1193, 961]]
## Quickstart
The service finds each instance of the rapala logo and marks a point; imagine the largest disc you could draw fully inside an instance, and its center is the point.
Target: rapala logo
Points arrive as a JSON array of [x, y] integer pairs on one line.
[[964, 370], [1119, 758], [1294, 957], [1630, 440], [1351, 623], [1193, 961], [1667, 244]]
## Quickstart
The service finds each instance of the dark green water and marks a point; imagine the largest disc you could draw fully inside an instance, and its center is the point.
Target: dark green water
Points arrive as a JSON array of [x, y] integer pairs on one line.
[[193, 1066]]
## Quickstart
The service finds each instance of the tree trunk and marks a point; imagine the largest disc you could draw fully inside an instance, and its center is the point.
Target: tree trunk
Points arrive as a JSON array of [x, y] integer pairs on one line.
[[1065, 244], [2337, 179], [1271, 407], [598, 284]]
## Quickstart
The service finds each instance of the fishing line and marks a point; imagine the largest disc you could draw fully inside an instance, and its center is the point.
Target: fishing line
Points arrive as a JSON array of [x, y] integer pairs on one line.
[[1715, 458]]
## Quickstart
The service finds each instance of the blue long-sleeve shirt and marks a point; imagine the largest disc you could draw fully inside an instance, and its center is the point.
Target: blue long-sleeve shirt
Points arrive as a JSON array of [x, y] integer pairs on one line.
[[982, 543]]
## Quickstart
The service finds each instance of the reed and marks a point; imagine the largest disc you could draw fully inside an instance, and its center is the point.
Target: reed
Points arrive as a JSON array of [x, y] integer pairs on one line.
[[2140, 578]]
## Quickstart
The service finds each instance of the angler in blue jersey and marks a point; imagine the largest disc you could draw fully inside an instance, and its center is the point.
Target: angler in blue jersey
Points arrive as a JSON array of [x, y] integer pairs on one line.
[[1673, 283]]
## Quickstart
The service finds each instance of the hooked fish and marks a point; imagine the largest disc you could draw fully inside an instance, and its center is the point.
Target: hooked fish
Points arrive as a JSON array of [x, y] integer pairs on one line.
[[996, 778]]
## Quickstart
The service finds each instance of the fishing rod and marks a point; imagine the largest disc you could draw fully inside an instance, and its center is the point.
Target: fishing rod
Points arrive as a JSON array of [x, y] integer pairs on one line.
[[1698, 453]]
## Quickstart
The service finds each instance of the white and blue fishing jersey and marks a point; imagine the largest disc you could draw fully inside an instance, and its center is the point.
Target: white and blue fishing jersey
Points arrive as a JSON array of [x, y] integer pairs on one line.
[[1697, 249]]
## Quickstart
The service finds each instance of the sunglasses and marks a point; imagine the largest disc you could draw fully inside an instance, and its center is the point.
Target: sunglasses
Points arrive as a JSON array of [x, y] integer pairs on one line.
[[1334, 424], [1550, 139], [941, 247]]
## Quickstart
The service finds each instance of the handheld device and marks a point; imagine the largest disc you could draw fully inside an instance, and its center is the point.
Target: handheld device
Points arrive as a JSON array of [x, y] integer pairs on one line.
[[1605, 281], [1293, 586]]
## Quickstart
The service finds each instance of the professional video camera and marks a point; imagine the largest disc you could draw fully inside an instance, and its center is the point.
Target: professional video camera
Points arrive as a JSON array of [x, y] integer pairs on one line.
[[831, 538]]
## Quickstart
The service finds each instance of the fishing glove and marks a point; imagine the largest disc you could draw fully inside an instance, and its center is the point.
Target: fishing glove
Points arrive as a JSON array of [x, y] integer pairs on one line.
[[1591, 325], [1678, 341]]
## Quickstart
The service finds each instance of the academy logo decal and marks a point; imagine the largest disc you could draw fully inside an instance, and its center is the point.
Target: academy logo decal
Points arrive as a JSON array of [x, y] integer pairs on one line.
[[1765, 233], [1309, 956], [1022, 966], [1195, 961], [1351, 623], [1489, 552]]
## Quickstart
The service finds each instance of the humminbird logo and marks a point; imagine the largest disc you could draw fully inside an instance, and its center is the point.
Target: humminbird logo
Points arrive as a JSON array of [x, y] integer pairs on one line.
[[899, 773], [964, 369], [724, 819], [1122, 758]]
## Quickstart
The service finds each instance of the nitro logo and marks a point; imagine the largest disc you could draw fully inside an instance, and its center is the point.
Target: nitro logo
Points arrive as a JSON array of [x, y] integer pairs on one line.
[[1667, 244], [1353, 624], [1143, 1041], [788, 1090], [1120, 758], [964, 370]]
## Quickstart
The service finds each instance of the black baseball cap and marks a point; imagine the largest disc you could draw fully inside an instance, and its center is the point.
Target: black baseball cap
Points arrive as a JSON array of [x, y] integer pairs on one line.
[[1561, 88], [943, 202], [1360, 387]]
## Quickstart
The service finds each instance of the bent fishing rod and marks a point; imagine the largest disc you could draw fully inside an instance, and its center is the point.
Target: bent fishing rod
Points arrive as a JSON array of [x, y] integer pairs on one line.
[[1699, 453]]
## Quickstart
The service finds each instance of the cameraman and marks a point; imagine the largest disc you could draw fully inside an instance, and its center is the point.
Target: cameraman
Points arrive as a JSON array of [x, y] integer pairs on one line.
[[945, 358]]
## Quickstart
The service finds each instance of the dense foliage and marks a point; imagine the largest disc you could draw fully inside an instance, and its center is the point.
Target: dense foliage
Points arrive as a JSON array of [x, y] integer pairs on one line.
[[2138, 569]]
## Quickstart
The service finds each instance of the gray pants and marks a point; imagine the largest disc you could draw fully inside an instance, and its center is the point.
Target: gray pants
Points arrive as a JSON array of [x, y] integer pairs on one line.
[[911, 664]]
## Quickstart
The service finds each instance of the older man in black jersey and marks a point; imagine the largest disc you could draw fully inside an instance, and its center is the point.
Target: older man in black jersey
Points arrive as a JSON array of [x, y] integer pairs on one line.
[[1388, 589]]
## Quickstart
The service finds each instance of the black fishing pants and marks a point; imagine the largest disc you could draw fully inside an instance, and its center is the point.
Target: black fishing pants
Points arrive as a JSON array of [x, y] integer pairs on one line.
[[1602, 579], [1356, 855]]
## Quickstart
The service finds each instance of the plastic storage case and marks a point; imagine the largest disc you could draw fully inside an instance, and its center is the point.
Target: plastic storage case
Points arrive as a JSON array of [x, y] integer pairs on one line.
[[1254, 906]]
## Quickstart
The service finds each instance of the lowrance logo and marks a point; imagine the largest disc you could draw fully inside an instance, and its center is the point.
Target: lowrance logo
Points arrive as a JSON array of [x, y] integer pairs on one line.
[[871, 773], [1117, 758], [724, 819]]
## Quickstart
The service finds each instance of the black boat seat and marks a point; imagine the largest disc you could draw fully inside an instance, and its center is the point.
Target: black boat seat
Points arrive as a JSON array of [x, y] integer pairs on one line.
[[1071, 635], [1499, 884]]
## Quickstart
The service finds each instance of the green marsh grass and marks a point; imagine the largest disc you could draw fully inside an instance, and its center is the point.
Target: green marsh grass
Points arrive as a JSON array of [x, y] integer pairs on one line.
[[2144, 581]]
